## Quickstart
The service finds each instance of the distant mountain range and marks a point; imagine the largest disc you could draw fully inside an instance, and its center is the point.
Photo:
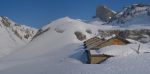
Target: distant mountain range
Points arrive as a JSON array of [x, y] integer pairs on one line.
[[135, 14]]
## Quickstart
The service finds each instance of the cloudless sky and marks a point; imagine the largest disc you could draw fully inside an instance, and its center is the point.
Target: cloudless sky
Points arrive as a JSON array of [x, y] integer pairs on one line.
[[37, 13]]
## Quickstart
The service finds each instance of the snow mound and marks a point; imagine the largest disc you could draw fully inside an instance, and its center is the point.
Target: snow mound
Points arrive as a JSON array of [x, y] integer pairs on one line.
[[67, 24]]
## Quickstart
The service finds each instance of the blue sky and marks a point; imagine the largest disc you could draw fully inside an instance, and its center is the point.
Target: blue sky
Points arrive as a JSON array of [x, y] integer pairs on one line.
[[37, 13]]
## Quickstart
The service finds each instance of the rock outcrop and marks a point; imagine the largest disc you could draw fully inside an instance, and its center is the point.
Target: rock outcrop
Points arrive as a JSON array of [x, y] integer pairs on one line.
[[80, 36], [141, 35], [104, 13]]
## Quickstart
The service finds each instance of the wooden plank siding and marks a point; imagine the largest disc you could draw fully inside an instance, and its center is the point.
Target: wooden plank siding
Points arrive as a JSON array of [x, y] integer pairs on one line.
[[91, 40], [113, 41], [108, 43], [97, 59], [94, 44]]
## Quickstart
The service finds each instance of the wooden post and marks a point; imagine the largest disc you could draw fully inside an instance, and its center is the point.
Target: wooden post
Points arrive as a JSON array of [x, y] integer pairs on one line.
[[138, 51]]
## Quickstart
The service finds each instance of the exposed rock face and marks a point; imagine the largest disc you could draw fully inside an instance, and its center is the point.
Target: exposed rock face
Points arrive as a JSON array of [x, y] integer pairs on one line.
[[104, 13], [5, 21], [21, 31], [13, 35], [141, 35], [39, 32], [80, 36], [89, 31]]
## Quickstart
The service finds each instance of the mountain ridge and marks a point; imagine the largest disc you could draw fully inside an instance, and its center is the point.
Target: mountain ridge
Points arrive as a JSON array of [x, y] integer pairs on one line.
[[13, 35]]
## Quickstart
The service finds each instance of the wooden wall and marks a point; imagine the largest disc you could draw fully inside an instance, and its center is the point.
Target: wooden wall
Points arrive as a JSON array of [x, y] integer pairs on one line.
[[111, 42]]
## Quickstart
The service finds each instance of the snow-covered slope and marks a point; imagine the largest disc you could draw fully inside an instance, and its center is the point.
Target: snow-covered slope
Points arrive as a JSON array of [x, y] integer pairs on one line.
[[66, 24], [13, 35], [58, 51]]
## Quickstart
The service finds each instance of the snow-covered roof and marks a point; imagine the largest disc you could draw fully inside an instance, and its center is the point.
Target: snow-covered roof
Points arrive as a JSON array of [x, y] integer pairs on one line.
[[121, 50], [94, 52]]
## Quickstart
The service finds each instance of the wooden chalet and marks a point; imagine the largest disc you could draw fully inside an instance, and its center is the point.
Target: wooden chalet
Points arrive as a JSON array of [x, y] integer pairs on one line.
[[100, 43], [112, 41]]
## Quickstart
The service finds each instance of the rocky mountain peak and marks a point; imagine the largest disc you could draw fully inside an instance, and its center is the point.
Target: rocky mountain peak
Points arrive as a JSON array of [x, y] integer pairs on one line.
[[130, 12], [21, 31], [104, 13]]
